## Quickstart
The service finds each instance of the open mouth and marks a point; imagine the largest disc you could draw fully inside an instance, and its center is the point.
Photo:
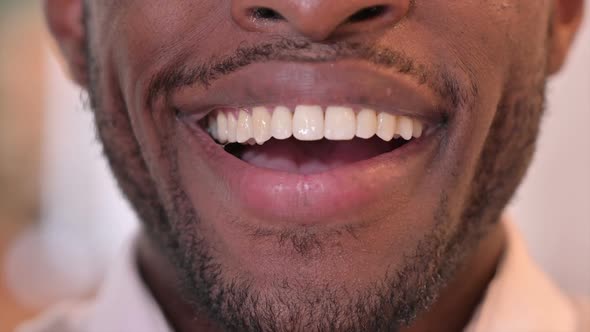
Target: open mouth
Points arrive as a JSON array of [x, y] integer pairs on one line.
[[309, 139], [308, 143]]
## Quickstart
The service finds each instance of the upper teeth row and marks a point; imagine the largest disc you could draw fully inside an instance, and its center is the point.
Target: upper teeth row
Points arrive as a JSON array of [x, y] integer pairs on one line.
[[309, 123]]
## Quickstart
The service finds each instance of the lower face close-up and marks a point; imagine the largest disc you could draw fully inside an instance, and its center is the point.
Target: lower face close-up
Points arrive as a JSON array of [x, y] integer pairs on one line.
[[318, 165]]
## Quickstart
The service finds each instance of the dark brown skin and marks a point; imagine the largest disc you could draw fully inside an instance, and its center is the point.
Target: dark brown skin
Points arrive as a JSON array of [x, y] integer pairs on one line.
[[500, 52]]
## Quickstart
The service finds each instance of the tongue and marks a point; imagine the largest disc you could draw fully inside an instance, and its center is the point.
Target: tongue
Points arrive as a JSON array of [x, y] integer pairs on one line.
[[313, 157]]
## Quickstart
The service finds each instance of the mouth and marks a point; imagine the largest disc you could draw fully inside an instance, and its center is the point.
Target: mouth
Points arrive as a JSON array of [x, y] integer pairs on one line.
[[309, 139], [309, 144]]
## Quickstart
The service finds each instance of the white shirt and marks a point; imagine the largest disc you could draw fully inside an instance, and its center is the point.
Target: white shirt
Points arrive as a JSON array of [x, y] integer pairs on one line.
[[520, 298]]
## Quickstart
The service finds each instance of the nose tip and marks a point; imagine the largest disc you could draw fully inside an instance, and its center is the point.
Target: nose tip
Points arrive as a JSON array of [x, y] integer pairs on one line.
[[318, 20]]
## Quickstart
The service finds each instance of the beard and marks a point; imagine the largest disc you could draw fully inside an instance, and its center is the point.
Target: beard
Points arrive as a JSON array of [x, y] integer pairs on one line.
[[387, 303], [241, 304]]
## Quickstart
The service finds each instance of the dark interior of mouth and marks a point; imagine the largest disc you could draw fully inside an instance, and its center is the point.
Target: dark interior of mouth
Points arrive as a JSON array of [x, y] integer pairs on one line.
[[296, 156]]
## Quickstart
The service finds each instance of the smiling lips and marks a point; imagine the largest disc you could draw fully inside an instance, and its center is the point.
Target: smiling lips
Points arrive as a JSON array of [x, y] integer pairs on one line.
[[312, 143]]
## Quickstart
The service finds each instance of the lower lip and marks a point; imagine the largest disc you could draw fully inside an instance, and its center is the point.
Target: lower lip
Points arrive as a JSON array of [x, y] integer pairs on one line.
[[309, 199]]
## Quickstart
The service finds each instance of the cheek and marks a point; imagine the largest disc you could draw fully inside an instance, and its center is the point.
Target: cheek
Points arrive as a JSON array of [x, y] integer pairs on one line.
[[144, 35], [136, 39], [498, 44]]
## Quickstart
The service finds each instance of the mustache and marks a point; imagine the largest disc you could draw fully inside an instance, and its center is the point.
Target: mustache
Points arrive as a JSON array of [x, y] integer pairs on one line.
[[442, 81]]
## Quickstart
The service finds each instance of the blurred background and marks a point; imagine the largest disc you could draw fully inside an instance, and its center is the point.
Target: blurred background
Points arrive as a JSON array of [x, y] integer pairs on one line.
[[62, 218]]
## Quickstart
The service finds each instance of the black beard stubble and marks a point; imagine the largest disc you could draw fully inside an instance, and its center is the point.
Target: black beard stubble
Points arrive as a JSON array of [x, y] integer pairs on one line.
[[390, 303]]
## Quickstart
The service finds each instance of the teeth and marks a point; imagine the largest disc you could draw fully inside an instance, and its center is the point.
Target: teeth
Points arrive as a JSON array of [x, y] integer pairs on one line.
[[308, 123], [340, 123], [418, 128], [281, 125], [366, 124], [244, 132], [405, 128], [213, 127], [232, 127], [386, 124], [221, 127], [261, 120]]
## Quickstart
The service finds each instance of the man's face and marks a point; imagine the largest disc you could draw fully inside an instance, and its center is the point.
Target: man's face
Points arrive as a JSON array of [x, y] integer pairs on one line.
[[331, 234]]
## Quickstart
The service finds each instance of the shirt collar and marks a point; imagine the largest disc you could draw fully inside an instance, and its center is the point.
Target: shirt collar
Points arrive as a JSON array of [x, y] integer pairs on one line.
[[521, 297]]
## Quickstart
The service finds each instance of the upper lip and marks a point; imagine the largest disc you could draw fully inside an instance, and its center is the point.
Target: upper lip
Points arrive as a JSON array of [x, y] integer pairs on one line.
[[347, 83]]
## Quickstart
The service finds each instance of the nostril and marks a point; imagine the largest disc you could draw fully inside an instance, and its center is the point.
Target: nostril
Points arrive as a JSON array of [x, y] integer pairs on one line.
[[368, 13], [264, 13]]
